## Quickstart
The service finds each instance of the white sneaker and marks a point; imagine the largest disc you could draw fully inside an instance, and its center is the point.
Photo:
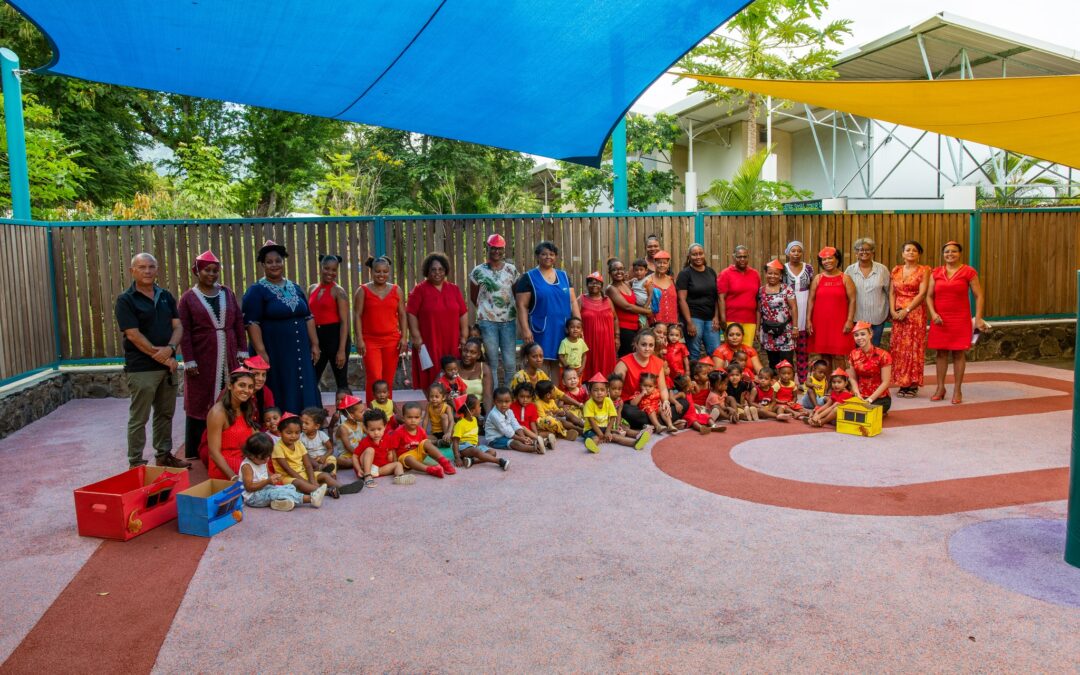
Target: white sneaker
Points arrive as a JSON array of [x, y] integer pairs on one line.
[[317, 496], [282, 504]]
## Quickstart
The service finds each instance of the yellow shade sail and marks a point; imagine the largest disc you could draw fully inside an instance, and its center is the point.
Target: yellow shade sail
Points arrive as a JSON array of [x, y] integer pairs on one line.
[[1036, 116]]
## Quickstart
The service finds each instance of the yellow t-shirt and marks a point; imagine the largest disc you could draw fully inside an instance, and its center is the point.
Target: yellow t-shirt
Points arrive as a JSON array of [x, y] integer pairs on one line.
[[387, 408], [522, 376], [598, 415], [435, 417], [293, 456], [817, 385], [547, 408], [573, 351], [467, 431]]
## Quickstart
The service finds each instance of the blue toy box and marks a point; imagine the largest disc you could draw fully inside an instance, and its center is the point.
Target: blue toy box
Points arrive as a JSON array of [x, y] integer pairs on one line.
[[210, 507]]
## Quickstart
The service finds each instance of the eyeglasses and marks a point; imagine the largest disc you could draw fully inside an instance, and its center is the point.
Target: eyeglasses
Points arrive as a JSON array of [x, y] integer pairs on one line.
[[742, 257], [866, 250]]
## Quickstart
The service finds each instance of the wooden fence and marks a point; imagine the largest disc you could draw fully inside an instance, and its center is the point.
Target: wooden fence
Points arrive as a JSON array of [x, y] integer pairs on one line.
[[27, 330], [1027, 262]]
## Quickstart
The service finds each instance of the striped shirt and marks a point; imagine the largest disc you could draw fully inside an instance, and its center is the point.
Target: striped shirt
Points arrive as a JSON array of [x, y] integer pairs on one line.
[[871, 293]]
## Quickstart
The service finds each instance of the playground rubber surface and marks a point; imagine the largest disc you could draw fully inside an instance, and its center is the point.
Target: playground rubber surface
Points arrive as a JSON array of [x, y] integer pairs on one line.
[[769, 547]]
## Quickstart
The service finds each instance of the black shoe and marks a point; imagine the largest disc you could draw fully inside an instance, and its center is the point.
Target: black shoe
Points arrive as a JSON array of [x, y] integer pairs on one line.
[[351, 488], [173, 462], [503, 463]]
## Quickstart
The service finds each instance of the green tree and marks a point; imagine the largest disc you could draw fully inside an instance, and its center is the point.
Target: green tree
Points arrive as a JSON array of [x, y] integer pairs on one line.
[[283, 153], [1012, 184], [54, 173], [747, 191], [772, 40], [204, 185], [645, 136]]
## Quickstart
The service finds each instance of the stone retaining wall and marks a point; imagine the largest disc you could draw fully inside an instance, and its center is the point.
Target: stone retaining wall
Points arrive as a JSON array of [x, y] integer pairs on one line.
[[19, 406]]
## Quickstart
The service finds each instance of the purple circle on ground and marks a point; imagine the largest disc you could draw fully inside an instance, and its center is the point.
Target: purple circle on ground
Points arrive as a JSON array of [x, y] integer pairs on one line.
[[1025, 555]]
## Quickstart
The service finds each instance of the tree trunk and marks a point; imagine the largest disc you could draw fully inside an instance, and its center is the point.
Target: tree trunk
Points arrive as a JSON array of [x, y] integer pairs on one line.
[[751, 125]]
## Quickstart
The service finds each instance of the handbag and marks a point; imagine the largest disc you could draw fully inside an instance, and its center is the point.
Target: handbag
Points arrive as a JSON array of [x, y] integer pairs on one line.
[[774, 328]]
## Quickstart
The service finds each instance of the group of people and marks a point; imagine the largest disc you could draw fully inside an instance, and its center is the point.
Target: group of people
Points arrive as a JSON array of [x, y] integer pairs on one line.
[[667, 351]]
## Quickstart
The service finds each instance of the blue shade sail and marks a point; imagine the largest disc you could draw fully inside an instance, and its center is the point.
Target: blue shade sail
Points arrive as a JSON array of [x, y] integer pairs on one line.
[[538, 76]]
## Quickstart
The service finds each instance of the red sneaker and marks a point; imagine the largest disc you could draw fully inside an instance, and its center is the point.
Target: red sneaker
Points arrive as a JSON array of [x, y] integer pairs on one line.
[[436, 471], [447, 466]]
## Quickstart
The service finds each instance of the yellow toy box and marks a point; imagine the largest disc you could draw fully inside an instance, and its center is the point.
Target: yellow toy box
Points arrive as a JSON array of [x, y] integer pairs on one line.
[[858, 418]]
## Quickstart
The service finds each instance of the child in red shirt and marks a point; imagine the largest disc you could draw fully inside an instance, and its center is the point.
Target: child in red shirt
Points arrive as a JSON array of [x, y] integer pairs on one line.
[[377, 451], [838, 393], [413, 446], [450, 378], [527, 415], [677, 356]]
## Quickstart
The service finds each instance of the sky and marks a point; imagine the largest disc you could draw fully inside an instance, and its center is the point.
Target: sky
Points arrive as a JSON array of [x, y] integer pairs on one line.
[[1053, 21]]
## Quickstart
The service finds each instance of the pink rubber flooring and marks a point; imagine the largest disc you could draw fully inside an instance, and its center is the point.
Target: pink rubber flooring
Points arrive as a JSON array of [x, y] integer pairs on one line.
[[575, 562]]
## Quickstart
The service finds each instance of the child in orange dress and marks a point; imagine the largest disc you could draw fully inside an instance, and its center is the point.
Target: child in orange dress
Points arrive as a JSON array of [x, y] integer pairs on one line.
[[787, 390], [838, 393], [764, 397], [648, 401], [677, 355], [720, 405]]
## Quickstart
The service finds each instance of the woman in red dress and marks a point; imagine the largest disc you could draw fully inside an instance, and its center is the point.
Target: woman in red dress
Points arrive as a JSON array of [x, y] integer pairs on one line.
[[438, 319], [228, 426], [831, 310], [950, 317], [598, 320], [907, 308], [381, 321], [661, 280], [631, 367], [622, 299]]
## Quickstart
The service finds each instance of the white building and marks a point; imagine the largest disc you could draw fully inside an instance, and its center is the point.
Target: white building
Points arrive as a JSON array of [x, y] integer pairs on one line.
[[874, 165]]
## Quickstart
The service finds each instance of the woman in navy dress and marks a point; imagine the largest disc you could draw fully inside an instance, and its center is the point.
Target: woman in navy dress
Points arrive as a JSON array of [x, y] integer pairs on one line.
[[282, 331]]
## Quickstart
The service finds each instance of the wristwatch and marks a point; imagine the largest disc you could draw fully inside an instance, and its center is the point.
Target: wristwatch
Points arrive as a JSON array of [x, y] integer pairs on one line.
[[173, 348]]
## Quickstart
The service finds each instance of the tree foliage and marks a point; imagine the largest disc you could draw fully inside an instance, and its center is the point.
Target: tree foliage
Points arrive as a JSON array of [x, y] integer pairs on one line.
[[645, 136], [1015, 183], [772, 40], [747, 191]]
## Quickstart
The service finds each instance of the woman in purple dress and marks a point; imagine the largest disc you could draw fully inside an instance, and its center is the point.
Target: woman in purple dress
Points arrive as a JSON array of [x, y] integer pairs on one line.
[[213, 344]]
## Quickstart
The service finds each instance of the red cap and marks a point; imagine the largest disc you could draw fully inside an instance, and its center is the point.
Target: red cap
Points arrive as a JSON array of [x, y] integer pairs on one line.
[[496, 241], [705, 359], [775, 264], [204, 259], [784, 364], [839, 372], [827, 252], [286, 416], [348, 401], [256, 363], [460, 401], [662, 255], [861, 325], [597, 379], [240, 369], [596, 276]]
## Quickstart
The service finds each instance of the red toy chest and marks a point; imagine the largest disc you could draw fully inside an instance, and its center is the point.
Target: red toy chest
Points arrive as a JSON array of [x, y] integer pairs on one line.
[[130, 503]]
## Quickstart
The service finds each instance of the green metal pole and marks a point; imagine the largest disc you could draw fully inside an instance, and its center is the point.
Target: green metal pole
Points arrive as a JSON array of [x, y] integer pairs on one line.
[[16, 135], [1072, 524], [699, 228], [975, 237]]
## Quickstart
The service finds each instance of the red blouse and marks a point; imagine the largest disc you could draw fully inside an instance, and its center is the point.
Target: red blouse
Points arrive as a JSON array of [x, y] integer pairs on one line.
[[633, 374], [323, 305], [867, 367]]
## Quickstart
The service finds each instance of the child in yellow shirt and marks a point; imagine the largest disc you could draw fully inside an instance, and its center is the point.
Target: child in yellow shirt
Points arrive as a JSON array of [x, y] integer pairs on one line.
[[467, 448], [292, 463], [601, 419]]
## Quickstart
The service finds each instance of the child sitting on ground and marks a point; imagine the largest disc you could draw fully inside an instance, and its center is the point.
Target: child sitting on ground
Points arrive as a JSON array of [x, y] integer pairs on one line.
[[450, 378], [573, 352], [467, 448], [377, 453], [659, 333], [574, 394], [271, 417], [601, 419], [720, 405], [648, 401], [437, 419], [677, 355], [316, 442], [738, 390], [262, 488], [787, 390], [292, 462], [839, 392], [695, 417], [502, 429], [336, 417], [349, 431], [550, 416], [743, 361], [532, 355], [699, 384], [528, 415], [816, 386], [619, 426], [764, 397], [380, 389], [413, 445]]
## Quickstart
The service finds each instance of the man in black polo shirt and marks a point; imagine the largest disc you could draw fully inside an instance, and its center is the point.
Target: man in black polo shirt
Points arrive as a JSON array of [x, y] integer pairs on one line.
[[147, 315]]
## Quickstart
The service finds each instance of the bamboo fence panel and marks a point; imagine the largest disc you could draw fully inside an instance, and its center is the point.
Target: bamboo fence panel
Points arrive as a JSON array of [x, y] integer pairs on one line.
[[1029, 262], [27, 330]]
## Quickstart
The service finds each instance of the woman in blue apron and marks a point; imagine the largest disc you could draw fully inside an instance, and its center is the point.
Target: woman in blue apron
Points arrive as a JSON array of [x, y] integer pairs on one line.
[[545, 300]]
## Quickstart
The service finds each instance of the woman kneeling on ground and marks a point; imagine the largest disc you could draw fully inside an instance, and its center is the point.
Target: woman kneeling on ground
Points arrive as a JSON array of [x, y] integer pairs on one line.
[[631, 367], [871, 368]]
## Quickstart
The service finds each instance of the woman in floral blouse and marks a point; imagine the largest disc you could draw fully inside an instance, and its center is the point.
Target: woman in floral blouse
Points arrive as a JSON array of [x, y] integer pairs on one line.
[[779, 316], [491, 291]]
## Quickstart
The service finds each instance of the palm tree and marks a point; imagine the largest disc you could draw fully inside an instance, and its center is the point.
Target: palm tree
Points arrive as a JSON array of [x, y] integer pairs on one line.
[[748, 191], [1009, 185]]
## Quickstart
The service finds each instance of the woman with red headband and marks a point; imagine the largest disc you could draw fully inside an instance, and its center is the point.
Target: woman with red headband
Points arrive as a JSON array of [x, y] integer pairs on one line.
[[831, 310], [950, 317], [871, 368], [779, 323], [598, 328], [213, 344]]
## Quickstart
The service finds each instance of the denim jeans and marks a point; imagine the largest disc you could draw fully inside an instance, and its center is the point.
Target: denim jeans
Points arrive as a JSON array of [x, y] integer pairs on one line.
[[706, 334], [876, 331], [499, 336], [263, 497]]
